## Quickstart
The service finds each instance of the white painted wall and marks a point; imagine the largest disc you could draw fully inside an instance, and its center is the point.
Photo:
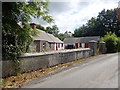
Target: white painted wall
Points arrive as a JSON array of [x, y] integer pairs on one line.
[[32, 47], [60, 48], [83, 45], [55, 46]]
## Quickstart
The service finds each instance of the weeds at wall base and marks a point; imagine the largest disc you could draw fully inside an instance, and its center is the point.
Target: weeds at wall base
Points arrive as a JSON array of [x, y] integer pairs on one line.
[[21, 78]]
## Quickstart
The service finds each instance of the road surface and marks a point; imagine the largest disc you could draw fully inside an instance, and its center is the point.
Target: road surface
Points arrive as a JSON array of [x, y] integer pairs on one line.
[[98, 72]]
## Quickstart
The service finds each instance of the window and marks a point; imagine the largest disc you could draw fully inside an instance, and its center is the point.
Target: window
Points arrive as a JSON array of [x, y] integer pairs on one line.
[[62, 44], [44, 45], [49, 45], [80, 45]]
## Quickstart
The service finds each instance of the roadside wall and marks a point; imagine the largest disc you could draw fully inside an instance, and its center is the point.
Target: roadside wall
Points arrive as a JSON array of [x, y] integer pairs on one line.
[[36, 61]]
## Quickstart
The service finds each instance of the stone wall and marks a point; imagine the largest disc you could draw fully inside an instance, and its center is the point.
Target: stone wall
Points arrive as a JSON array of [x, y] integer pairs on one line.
[[36, 61]]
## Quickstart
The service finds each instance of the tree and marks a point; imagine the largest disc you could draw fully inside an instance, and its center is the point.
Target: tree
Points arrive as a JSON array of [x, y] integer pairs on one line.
[[16, 33], [62, 36], [118, 44], [40, 27], [53, 30], [80, 32], [111, 42], [106, 21]]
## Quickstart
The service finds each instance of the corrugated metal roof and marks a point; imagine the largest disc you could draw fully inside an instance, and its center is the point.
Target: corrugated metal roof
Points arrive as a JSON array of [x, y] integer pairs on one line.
[[42, 35], [81, 39], [71, 40], [87, 39]]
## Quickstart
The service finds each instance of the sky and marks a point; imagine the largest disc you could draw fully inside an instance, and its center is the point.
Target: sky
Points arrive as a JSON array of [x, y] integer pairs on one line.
[[71, 14]]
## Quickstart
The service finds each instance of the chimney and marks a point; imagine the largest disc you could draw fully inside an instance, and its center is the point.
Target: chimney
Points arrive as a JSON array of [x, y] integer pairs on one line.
[[33, 25]]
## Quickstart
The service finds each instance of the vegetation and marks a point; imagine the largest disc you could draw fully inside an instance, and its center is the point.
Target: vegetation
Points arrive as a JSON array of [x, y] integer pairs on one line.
[[16, 33], [106, 25], [118, 44], [62, 36], [40, 27], [53, 30], [19, 80], [112, 42], [105, 22]]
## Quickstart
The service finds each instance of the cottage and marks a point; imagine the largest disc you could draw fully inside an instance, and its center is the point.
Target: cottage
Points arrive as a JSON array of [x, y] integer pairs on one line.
[[45, 42], [57, 44], [79, 42]]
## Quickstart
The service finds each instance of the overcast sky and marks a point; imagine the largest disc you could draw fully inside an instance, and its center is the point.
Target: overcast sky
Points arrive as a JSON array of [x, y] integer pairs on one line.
[[70, 15]]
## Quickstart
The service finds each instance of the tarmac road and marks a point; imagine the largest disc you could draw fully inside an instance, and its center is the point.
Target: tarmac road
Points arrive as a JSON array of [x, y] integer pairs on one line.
[[98, 72]]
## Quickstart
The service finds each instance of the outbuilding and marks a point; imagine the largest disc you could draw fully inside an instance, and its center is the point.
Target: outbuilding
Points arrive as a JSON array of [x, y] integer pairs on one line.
[[79, 42]]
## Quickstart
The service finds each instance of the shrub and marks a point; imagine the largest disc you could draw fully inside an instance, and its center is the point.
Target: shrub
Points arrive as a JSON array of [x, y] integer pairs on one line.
[[118, 44], [111, 42]]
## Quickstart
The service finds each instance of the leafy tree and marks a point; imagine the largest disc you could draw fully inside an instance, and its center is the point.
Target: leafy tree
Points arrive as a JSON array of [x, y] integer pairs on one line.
[[40, 27], [111, 42], [62, 36], [53, 30], [118, 44], [16, 33], [105, 22], [68, 33]]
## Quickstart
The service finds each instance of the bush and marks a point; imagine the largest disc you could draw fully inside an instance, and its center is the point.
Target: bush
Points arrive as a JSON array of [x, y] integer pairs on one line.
[[118, 44], [111, 42]]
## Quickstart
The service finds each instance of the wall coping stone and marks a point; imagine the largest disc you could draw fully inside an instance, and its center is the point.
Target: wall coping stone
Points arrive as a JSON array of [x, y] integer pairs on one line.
[[53, 52]]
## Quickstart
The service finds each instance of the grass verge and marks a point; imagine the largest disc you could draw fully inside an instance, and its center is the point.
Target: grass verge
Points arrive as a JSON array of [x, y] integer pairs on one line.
[[21, 78]]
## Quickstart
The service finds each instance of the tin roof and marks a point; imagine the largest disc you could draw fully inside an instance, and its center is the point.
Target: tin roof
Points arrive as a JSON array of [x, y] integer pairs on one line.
[[71, 40], [80, 39]]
